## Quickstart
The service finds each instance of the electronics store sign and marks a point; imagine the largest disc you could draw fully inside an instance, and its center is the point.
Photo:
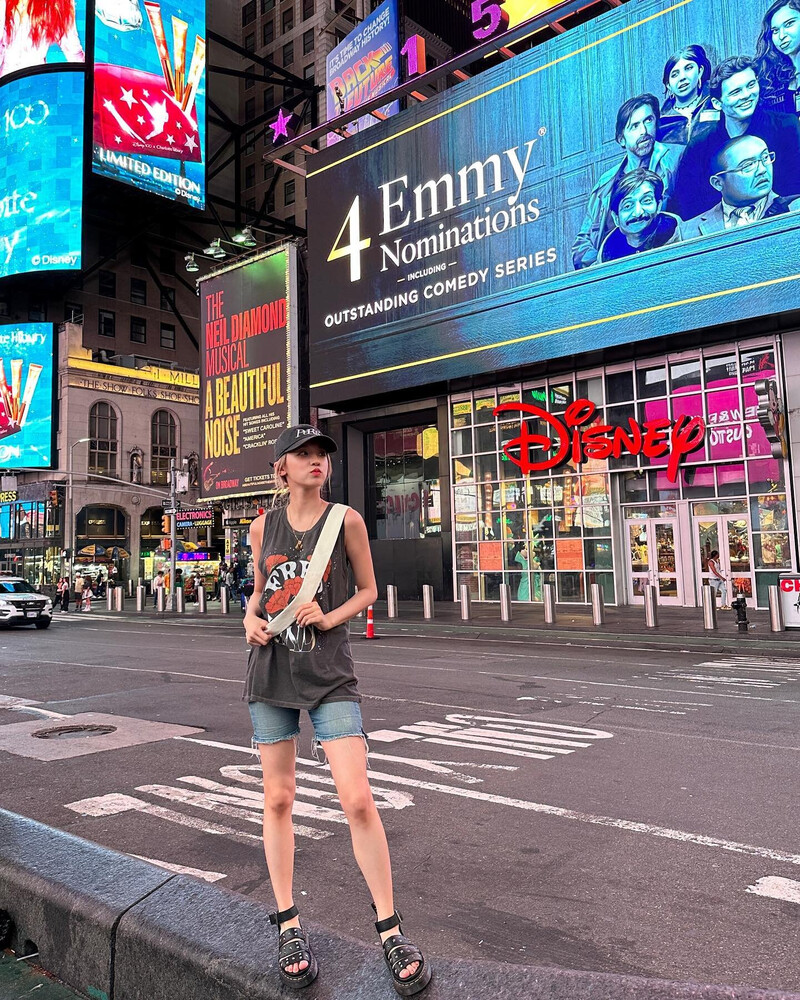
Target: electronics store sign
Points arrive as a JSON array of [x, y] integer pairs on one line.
[[498, 224]]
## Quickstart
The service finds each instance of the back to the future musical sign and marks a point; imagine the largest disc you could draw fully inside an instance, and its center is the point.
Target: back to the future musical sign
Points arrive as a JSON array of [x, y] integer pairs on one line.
[[584, 194]]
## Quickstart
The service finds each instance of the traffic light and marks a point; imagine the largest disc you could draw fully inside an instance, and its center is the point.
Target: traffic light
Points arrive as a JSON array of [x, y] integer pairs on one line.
[[166, 524], [54, 498]]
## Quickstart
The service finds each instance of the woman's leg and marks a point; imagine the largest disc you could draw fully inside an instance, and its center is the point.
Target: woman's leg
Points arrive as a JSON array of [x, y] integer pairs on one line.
[[348, 761]]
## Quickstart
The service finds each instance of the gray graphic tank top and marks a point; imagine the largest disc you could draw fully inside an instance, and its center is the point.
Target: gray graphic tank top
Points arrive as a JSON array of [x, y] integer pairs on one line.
[[301, 667]]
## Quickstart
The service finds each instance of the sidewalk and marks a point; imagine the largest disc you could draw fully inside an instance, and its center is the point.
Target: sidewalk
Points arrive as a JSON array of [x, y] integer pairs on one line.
[[22, 979]]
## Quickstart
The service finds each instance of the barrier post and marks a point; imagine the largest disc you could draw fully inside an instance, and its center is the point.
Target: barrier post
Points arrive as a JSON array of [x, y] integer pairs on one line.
[[709, 608], [598, 605], [505, 602], [427, 601], [224, 600], [370, 633], [180, 600], [119, 598], [141, 598], [549, 598], [391, 601], [202, 606], [465, 600], [651, 606]]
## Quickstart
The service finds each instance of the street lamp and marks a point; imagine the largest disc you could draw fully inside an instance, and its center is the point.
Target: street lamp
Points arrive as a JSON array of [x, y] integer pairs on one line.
[[69, 527]]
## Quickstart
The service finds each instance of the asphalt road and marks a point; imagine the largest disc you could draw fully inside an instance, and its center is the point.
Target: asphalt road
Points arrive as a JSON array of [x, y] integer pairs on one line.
[[587, 805]]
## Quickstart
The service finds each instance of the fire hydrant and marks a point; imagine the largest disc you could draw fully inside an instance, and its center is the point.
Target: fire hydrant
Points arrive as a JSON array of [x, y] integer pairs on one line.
[[740, 607]]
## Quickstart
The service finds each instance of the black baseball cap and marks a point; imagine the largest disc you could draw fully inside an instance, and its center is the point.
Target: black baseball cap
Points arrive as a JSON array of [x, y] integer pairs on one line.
[[298, 435]]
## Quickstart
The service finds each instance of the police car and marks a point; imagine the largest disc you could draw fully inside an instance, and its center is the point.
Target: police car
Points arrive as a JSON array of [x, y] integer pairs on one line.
[[21, 604]]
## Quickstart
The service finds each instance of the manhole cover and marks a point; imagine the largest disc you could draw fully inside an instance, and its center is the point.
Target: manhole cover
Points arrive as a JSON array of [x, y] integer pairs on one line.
[[73, 732]]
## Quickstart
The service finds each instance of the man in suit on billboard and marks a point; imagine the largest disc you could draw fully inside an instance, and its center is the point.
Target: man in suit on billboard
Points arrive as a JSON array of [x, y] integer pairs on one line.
[[637, 122], [743, 175], [635, 207], [735, 91]]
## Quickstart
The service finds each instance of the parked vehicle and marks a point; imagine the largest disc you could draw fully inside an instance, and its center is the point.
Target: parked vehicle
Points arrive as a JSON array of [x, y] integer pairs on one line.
[[22, 604]]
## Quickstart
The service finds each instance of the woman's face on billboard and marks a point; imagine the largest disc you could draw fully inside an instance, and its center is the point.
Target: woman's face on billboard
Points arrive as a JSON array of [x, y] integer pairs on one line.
[[785, 28], [684, 80]]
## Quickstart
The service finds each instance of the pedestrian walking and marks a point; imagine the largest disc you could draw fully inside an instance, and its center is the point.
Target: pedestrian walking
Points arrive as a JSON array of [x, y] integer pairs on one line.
[[718, 581], [78, 591], [301, 659], [158, 584]]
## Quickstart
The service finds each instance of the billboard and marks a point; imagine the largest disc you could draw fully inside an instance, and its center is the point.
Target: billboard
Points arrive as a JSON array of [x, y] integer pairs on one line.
[[501, 223], [36, 33], [41, 193], [26, 396], [364, 66], [150, 96], [248, 377]]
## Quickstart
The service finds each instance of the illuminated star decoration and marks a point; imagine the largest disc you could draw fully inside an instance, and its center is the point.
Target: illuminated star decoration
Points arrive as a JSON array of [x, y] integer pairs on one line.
[[282, 127]]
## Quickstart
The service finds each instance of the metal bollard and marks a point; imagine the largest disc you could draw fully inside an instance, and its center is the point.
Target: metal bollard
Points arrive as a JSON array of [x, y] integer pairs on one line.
[[202, 606], [427, 601], [391, 601], [650, 606], [465, 600], [709, 608], [598, 605], [549, 598], [109, 598], [119, 599], [776, 623], [161, 599], [130, 588], [140, 582], [224, 600], [141, 598], [505, 602], [180, 600]]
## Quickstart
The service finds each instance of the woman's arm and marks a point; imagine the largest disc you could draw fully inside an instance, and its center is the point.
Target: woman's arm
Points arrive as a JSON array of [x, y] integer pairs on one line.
[[356, 545], [255, 627]]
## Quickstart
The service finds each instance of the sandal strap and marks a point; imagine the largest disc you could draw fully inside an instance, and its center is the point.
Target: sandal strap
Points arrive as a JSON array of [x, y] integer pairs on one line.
[[400, 953], [388, 922], [283, 915]]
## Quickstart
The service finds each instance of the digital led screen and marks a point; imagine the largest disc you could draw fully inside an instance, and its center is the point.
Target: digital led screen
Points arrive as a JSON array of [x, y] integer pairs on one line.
[[502, 223], [41, 172], [150, 96], [26, 396], [38, 32], [364, 66], [248, 380]]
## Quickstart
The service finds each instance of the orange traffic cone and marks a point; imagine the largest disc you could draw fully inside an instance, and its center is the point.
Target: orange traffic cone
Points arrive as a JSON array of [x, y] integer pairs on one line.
[[370, 633]]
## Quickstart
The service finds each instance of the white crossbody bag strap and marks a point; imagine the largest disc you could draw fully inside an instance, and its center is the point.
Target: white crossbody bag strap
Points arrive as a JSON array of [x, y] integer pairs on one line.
[[316, 569]]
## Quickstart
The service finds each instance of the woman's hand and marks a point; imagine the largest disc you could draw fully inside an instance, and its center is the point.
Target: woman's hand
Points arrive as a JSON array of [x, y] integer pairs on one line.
[[256, 630], [312, 614]]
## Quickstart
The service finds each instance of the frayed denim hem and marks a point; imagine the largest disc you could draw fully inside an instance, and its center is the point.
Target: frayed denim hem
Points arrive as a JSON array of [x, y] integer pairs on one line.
[[318, 745], [255, 742]]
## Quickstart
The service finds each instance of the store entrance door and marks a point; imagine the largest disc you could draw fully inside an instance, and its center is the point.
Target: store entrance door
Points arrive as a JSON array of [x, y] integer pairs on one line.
[[653, 559], [729, 534]]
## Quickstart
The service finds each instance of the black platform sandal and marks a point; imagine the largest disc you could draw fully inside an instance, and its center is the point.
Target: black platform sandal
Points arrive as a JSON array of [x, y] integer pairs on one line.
[[293, 947], [399, 953]]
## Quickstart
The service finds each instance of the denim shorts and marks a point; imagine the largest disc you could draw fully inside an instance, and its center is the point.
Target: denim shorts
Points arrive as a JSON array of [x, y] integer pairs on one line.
[[332, 720]]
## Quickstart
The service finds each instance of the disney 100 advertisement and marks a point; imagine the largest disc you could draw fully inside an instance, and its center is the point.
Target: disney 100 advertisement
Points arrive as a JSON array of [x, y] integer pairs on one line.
[[26, 396], [150, 96], [635, 177], [35, 33], [41, 172]]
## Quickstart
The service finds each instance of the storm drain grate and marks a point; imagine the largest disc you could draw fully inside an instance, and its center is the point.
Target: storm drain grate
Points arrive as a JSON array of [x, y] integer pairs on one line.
[[73, 732]]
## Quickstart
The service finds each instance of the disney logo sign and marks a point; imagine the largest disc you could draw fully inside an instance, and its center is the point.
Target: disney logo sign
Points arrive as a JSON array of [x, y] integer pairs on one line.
[[579, 436]]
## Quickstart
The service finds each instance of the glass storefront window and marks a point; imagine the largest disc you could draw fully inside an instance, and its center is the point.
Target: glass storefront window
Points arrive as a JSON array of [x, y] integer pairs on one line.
[[758, 364], [560, 397], [769, 512], [619, 387], [765, 475], [722, 370], [404, 503], [486, 437], [461, 412], [684, 376], [772, 551], [484, 408], [592, 389], [652, 382]]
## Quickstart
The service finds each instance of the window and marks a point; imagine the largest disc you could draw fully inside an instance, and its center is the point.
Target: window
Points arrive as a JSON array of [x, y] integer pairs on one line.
[[37, 313], [168, 336], [249, 76], [269, 99], [103, 440], [249, 175], [267, 5], [308, 9], [268, 33], [73, 312], [250, 42], [138, 330], [167, 262], [106, 323], [139, 291], [308, 72], [163, 438], [107, 283], [288, 54], [288, 193], [287, 20], [250, 142], [289, 220], [248, 13], [308, 41], [404, 483], [167, 299]]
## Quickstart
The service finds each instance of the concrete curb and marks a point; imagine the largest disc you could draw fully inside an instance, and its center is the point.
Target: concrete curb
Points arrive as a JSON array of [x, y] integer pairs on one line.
[[116, 928]]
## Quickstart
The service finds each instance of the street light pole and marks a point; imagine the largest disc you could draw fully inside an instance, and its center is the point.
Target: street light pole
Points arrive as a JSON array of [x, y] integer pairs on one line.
[[173, 534], [69, 527]]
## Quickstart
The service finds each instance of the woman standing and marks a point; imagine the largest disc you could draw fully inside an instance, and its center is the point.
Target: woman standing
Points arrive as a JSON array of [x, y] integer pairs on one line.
[[29, 27], [687, 104], [717, 580], [778, 57], [309, 666]]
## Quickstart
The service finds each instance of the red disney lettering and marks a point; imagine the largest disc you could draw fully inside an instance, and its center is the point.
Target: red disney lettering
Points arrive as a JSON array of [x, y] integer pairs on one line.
[[572, 437]]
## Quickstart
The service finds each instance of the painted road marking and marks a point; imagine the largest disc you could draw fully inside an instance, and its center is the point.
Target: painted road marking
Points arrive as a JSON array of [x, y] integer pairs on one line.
[[773, 887], [183, 870], [573, 815], [705, 680]]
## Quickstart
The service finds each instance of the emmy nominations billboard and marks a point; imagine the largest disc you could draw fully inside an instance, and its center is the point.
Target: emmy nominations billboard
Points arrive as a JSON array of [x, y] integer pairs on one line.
[[584, 194], [26, 396], [150, 96], [41, 166], [248, 371]]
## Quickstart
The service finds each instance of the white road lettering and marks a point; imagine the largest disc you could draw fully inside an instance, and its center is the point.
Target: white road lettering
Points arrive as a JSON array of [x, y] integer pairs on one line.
[[183, 870], [773, 887]]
